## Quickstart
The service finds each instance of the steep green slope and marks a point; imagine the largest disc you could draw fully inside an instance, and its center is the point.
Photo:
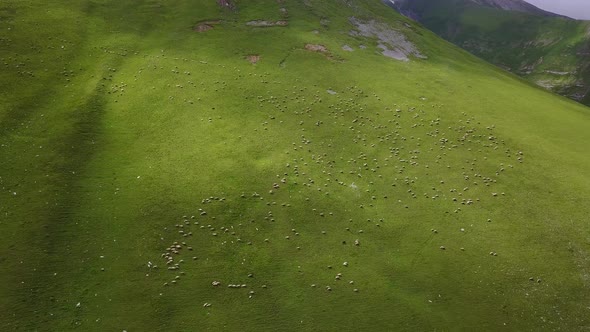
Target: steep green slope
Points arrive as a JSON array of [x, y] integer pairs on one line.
[[149, 150], [549, 51]]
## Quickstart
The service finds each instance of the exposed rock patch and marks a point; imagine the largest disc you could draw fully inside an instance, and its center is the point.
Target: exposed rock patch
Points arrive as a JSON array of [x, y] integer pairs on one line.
[[558, 73], [265, 24], [253, 58], [347, 48], [392, 43], [227, 4], [316, 48], [545, 84], [530, 68], [205, 25]]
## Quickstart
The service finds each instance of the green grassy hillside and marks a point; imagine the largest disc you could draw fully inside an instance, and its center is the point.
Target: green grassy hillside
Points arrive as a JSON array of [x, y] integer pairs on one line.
[[175, 165], [549, 51]]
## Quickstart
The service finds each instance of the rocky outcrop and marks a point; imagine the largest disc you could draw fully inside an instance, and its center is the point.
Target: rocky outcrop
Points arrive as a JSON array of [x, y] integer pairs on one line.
[[391, 42]]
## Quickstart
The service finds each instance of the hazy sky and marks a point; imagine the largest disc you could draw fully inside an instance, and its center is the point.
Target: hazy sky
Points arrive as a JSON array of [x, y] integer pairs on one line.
[[579, 9]]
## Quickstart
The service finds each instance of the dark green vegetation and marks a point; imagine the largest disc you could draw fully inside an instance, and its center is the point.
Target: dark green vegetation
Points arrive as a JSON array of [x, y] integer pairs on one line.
[[553, 52], [456, 194]]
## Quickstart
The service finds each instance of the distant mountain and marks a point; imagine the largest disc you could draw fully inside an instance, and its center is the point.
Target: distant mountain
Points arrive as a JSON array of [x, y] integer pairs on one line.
[[548, 49], [514, 5], [509, 5]]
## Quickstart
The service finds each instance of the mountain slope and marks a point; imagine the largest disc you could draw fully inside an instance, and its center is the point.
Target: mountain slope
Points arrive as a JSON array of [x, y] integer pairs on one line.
[[305, 149], [549, 51]]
